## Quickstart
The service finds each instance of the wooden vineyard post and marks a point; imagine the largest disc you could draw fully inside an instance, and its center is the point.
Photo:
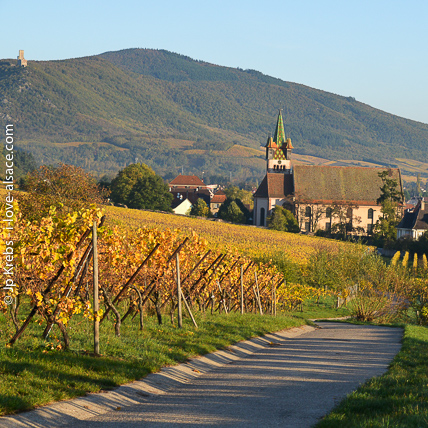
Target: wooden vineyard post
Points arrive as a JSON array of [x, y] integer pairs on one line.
[[222, 297], [277, 286], [242, 289], [257, 294], [188, 309], [273, 309], [180, 314], [96, 302], [274, 301]]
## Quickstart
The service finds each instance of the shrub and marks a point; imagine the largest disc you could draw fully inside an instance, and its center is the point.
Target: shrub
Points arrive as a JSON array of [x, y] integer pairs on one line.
[[282, 219]]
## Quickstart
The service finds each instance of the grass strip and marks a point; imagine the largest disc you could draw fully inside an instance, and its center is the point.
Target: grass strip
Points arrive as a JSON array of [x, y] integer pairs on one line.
[[399, 398]]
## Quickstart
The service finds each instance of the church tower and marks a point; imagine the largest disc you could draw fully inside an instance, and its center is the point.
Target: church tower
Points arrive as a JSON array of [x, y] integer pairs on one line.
[[278, 150]]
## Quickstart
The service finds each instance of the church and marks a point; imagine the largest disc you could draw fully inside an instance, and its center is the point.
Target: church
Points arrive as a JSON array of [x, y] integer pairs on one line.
[[320, 197]]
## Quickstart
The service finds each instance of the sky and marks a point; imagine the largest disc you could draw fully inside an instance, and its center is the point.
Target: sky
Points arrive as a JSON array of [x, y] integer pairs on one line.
[[375, 51]]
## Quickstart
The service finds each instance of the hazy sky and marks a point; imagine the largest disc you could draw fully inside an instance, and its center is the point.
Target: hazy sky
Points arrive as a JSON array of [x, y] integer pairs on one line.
[[375, 51]]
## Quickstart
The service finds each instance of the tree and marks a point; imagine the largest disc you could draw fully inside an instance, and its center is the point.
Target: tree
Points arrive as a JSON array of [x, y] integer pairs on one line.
[[137, 186], [121, 186], [418, 185], [67, 187], [343, 219], [390, 200], [234, 210], [231, 212], [389, 190], [282, 219], [245, 196], [200, 209]]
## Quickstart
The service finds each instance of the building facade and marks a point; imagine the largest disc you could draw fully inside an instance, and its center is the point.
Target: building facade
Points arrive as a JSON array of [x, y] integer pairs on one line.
[[330, 198]]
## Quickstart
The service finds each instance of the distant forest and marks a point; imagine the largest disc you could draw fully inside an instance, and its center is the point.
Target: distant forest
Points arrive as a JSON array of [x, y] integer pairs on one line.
[[172, 112]]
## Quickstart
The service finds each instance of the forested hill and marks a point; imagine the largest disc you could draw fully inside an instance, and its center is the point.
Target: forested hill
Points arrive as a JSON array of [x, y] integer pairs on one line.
[[168, 110]]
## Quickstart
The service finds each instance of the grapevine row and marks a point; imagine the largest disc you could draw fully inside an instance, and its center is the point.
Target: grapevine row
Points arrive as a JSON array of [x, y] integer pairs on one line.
[[137, 268]]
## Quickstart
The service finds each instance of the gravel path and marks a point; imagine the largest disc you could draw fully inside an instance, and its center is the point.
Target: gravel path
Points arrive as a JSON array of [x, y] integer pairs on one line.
[[288, 379]]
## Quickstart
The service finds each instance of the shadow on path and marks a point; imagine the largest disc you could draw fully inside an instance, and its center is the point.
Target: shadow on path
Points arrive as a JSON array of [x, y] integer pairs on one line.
[[292, 382]]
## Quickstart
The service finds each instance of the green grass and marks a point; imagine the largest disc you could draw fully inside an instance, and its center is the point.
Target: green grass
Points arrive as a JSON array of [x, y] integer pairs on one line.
[[324, 309], [34, 373], [397, 399]]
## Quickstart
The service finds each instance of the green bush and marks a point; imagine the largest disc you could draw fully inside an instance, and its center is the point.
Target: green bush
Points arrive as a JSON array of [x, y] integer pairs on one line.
[[282, 219]]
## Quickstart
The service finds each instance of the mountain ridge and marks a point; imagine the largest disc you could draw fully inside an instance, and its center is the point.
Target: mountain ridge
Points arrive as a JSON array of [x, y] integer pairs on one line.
[[144, 103]]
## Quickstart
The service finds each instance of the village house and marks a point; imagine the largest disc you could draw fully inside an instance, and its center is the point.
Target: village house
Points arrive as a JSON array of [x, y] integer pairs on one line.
[[187, 189], [415, 221], [320, 197], [217, 200]]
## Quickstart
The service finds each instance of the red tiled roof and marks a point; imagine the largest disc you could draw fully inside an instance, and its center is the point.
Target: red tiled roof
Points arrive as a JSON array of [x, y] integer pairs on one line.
[[218, 197], [275, 185], [187, 180]]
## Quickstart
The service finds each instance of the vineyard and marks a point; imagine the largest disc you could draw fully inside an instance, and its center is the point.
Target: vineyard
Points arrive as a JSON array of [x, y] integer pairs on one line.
[[140, 269], [170, 288], [171, 265], [252, 241]]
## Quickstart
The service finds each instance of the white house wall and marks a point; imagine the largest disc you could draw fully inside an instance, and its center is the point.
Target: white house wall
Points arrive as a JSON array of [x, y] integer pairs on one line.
[[360, 216]]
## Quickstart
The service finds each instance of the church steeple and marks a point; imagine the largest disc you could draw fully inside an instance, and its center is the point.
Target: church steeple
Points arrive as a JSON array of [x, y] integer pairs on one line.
[[279, 136], [278, 149]]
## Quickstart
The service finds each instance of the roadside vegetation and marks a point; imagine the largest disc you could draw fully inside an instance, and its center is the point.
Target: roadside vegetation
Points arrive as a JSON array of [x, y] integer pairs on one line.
[[397, 399]]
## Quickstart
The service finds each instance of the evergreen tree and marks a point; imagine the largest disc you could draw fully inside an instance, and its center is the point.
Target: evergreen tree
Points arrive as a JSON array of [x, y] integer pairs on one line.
[[282, 219], [234, 214], [234, 210], [390, 199]]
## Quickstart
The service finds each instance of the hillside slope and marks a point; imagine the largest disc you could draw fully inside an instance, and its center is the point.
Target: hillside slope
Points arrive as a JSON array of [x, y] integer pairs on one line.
[[103, 112]]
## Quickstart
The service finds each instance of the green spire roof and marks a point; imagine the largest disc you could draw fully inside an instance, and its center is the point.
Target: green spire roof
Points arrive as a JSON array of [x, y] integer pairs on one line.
[[279, 136]]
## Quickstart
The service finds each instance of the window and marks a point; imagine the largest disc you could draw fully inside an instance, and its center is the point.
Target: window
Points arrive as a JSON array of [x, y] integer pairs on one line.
[[349, 212], [308, 211], [370, 213], [328, 227], [369, 229], [307, 226], [328, 212]]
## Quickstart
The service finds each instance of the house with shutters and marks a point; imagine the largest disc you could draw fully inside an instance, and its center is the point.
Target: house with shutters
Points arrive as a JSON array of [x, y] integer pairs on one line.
[[319, 196]]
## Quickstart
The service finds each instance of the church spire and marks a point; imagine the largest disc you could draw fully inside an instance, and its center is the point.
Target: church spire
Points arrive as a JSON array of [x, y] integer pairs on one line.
[[279, 136], [278, 150]]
